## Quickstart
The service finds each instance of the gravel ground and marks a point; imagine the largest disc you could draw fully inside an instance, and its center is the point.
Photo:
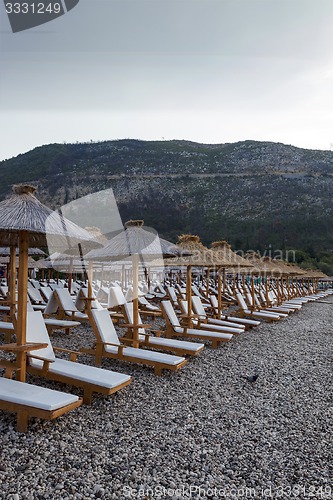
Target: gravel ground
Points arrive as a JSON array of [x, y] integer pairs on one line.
[[204, 432]]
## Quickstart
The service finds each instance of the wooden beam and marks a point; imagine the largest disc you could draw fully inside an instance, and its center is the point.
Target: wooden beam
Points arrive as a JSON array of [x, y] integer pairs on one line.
[[21, 325]]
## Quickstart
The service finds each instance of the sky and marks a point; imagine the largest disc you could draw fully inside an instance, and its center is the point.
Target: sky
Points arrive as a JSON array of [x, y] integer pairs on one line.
[[211, 71]]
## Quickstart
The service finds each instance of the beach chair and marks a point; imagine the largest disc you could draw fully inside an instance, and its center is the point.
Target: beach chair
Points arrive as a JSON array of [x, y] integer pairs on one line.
[[108, 345], [54, 323], [35, 296], [256, 306], [46, 292], [117, 300], [271, 305], [82, 298], [173, 296], [179, 347], [3, 291], [267, 316], [197, 293], [148, 308], [61, 304], [205, 320], [44, 363], [175, 329], [7, 328], [248, 323], [27, 400], [200, 322]]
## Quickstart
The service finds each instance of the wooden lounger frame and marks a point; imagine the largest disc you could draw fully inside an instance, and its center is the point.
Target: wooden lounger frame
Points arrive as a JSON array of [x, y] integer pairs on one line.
[[24, 412], [99, 353], [170, 331]]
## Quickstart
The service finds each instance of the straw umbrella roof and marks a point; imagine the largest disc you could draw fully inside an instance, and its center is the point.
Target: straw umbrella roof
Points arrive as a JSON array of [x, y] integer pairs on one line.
[[200, 256], [4, 251], [265, 265], [97, 234], [24, 212], [40, 265], [223, 249], [135, 239], [313, 273], [31, 262], [286, 268]]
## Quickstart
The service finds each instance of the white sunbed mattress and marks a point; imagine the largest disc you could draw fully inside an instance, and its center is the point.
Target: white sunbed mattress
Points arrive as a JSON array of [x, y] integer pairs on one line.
[[32, 395]]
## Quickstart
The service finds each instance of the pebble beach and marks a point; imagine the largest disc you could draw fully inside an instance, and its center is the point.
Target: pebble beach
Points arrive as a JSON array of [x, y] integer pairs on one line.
[[203, 432]]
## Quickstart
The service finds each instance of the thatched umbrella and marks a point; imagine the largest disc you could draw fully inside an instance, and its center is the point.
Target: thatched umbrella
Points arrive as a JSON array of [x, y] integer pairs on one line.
[[36, 252], [200, 256], [24, 222], [139, 243], [240, 265], [265, 267], [31, 262]]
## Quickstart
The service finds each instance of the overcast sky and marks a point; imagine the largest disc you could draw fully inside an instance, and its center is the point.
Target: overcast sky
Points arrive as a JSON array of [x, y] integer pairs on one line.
[[211, 71]]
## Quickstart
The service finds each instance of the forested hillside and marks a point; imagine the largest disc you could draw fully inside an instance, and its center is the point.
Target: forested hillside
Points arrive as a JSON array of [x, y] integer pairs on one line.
[[257, 195]]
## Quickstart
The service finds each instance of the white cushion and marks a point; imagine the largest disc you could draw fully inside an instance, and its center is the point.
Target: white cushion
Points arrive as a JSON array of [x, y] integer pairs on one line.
[[37, 333], [32, 395], [230, 323], [61, 323], [85, 373], [145, 354], [116, 296], [4, 325], [105, 326], [179, 344], [218, 328], [169, 310], [244, 321], [65, 299], [204, 333], [262, 314]]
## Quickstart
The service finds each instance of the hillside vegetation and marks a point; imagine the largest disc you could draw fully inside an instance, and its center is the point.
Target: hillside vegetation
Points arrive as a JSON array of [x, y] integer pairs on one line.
[[257, 195]]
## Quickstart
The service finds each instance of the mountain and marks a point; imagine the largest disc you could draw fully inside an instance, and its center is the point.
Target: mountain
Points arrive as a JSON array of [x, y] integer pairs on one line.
[[258, 195]]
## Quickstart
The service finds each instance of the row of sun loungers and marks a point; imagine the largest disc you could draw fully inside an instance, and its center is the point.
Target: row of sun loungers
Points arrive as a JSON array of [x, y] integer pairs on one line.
[[184, 335]]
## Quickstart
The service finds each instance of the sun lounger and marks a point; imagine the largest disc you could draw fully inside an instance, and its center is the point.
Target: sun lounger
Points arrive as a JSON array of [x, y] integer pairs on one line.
[[205, 320], [248, 323], [174, 328], [82, 298], [8, 329], [108, 345], [29, 400], [200, 323], [273, 306], [179, 347], [45, 364], [61, 303], [255, 314]]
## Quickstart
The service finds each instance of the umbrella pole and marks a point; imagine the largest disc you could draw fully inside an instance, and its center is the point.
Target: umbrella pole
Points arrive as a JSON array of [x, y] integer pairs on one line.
[[288, 287], [252, 290], [219, 294], [70, 275], [21, 326], [123, 277], [188, 293], [102, 275], [135, 263], [207, 284], [12, 282], [267, 291]]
